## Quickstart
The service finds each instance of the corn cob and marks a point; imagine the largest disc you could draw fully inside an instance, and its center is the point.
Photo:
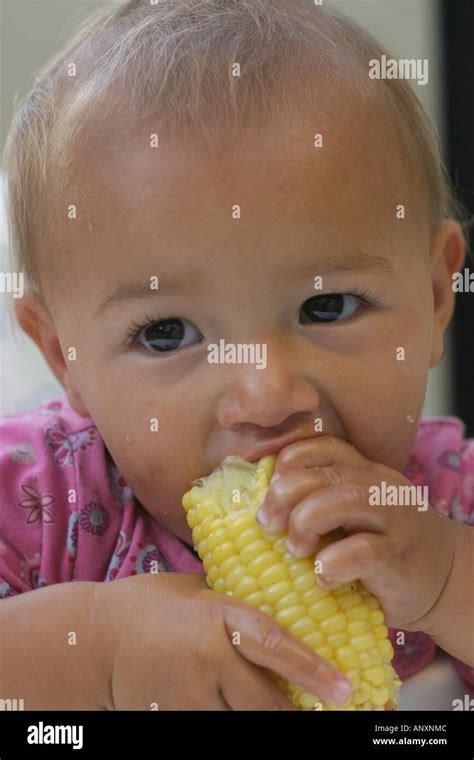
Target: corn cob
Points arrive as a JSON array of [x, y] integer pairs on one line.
[[344, 626]]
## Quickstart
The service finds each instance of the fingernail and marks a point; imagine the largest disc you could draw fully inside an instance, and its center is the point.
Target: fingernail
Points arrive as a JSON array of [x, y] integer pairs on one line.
[[296, 551], [323, 581], [262, 519], [290, 547], [341, 691]]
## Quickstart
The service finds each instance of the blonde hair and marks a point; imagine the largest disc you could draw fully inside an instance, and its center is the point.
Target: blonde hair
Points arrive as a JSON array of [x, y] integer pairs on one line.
[[173, 61]]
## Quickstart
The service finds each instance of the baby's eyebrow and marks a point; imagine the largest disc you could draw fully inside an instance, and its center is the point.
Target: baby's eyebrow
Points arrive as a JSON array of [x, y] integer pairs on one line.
[[358, 260], [133, 291], [353, 262]]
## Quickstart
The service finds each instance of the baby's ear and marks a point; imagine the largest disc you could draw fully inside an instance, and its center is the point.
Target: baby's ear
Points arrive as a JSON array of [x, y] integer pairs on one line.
[[36, 321], [448, 251]]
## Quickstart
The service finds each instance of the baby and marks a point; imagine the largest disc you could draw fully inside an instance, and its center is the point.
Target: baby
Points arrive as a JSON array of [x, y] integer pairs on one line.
[[191, 174]]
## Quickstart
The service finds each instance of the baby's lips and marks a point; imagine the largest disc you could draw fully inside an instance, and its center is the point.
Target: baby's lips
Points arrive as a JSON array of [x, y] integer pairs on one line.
[[274, 446]]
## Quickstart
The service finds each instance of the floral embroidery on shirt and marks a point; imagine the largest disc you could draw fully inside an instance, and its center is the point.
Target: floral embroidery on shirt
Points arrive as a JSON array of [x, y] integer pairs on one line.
[[148, 560], [6, 590], [94, 518], [72, 534], [22, 453], [52, 408], [118, 556], [37, 504], [63, 445], [450, 459], [458, 512], [30, 572], [121, 490]]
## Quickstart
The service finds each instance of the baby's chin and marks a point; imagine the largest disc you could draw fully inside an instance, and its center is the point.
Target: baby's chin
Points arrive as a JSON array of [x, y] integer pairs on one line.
[[173, 521]]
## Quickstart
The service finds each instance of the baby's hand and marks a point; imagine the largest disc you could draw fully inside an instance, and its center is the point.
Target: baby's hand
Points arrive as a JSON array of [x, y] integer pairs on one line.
[[402, 554], [168, 645]]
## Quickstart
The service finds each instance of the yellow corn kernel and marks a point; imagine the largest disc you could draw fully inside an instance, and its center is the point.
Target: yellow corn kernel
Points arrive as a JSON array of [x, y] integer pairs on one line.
[[375, 676], [334, 623], [220, 586], [259, 564], [280, 545], [197, 535], [359, 612], [314, 595], [363, 641], [287, 601], [325, 607], [379, 696], [369, 657], [375, 617], [304, 582], [273, 574], [213, 573], [344, 626], [245, 587], [353, 675], [228, 564], [347, 657], [236, 575], [386, 649], [240, 524], [216, 538], [254, 549], [314, 639], [290, 615], [337, 639], [220, 553], [356, 627], [276, 591], [247, 536], [302, 627], [256, 599], [348, 599]]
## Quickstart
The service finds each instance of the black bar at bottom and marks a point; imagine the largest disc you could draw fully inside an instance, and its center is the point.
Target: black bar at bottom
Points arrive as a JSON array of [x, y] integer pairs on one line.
[[137, 734]]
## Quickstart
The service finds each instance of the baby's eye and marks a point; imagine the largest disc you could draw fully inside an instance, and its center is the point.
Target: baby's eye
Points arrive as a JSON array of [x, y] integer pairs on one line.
[[330, 307], [167, 334]]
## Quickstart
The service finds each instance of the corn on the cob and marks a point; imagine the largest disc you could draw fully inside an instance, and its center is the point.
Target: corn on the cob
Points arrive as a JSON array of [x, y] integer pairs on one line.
[[344, 626]]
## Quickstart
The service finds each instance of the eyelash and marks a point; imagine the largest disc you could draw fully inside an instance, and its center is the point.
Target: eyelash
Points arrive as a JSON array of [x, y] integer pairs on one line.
[[135, 329], [366, 296]]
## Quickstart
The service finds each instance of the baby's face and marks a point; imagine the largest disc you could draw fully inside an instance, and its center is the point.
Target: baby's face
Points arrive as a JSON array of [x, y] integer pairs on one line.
[[305, 212]]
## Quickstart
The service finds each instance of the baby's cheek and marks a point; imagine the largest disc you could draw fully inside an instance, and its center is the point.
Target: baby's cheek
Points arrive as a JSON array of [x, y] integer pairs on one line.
[[158, 481], [383, 428]]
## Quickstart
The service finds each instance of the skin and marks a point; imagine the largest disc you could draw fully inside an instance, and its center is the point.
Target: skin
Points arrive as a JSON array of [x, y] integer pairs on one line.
[[168, 213]]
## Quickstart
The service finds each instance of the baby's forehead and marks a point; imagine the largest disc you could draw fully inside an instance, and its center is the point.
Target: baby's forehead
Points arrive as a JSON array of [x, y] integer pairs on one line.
[[349, 144], [140, 174], [164, 191], [166, 200]]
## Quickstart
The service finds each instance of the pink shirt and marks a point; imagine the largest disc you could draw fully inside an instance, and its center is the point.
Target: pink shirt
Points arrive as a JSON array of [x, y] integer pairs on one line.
[[66, 513]]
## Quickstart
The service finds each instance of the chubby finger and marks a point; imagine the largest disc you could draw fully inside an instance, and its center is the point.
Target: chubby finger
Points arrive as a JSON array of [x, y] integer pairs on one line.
[[283, 495], [246, 687], [286, 491], [321, 451], [327, 510], [265, 643], [357, 557]]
